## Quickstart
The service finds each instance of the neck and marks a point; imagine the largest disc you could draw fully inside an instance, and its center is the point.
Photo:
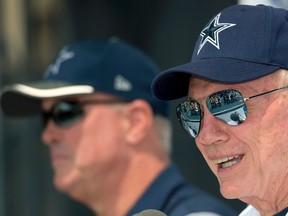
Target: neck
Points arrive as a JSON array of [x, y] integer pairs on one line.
[[121, 194], [274, 200]]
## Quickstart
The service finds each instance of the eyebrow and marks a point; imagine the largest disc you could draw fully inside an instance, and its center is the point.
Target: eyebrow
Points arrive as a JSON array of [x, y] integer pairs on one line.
[[199, 100]]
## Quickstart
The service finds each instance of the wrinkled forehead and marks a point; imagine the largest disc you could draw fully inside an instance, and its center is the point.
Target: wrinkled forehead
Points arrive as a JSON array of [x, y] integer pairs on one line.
[[200, 87]]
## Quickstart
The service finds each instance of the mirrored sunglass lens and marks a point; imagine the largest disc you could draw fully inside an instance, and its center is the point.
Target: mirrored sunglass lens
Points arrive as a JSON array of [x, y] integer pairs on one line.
[[189, 116], [65, 114], [228, 105]]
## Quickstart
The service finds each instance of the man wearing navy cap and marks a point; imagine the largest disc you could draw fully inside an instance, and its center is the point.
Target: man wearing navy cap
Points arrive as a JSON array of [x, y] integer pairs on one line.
[[237, 104], [109, 139]]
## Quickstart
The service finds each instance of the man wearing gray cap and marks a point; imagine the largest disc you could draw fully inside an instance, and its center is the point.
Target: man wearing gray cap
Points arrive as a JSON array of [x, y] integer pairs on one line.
[[237, 104], [109, 139]]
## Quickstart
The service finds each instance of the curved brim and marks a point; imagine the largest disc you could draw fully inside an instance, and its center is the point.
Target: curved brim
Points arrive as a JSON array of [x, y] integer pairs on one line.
[[174, 83], [25, 99]]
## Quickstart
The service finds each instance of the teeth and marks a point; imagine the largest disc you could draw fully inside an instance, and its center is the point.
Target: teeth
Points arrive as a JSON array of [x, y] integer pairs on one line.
[[228, 164], [224, 163]]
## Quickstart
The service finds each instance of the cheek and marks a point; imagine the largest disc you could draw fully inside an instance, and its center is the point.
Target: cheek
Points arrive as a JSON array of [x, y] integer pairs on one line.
[[99, 143], [267, 126], [267, 131], [274, 140]]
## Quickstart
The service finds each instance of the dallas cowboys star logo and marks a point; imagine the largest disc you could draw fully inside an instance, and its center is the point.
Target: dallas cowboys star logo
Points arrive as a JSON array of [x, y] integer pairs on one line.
[[63, 56], [211, 32]]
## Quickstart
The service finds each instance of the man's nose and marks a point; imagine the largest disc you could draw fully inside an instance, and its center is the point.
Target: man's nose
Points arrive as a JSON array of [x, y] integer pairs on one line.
[[51, 133], [212, 130]]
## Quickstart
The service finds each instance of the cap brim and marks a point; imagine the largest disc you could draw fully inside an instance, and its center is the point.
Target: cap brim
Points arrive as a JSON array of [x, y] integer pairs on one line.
[[25, 99], [174, 83]]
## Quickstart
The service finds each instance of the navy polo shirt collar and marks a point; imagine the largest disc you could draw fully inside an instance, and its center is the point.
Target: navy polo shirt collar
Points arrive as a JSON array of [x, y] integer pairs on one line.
[[157, 194], [283, 212]]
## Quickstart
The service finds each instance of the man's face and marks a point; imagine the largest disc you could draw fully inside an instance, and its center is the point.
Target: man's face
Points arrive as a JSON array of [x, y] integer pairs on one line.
[[89, 153], [252, 158]]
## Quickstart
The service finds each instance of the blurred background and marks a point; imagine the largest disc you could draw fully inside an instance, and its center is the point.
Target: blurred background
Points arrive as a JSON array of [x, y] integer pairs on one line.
[[33, 31]]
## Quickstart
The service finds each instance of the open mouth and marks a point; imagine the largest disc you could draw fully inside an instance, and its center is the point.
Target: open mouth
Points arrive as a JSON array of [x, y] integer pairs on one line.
[[228, 161]]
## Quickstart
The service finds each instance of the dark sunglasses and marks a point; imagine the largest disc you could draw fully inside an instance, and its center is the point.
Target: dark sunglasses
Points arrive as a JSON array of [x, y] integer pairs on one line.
[[227, 105], [65, 113]]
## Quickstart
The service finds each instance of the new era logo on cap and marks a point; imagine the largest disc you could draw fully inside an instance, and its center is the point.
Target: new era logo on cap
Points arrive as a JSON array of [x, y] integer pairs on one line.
[[122, 84]]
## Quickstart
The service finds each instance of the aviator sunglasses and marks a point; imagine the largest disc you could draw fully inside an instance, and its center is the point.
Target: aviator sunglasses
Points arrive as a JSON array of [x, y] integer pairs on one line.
[[65, 113], [227, 105]]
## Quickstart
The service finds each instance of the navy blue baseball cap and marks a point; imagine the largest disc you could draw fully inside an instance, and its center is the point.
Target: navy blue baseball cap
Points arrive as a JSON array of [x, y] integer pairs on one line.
[[239, 44], [108, 66]]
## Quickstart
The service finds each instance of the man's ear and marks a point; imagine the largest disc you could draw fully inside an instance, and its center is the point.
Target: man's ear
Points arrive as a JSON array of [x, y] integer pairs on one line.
[[140, 121]]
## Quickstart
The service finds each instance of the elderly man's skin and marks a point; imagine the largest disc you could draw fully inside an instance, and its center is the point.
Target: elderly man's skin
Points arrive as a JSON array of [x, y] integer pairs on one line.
[[259, 144]]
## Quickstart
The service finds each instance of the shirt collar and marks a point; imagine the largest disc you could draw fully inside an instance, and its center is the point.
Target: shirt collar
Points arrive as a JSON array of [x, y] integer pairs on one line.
[[158, 192], [251, 211]]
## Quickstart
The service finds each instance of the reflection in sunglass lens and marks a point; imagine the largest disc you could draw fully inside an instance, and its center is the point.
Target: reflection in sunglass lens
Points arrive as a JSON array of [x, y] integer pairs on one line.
[[228, 106], [67, 113], [189, 116], [64, 113]]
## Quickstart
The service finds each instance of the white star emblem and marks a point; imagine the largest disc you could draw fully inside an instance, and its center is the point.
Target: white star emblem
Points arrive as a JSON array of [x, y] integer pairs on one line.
[[211, 32], [63, 55]]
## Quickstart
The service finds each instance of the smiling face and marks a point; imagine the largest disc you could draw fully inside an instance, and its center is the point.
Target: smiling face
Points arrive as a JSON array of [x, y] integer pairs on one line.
[[250, 160]]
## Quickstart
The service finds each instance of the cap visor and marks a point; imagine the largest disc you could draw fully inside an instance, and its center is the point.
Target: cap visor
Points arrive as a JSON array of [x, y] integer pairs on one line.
[[174, 83], [25, 99]]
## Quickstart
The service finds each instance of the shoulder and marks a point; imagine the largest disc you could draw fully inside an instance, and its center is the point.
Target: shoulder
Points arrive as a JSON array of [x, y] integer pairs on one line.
[[191, 201]]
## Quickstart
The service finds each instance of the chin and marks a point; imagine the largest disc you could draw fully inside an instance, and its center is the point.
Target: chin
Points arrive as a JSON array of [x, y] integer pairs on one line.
[[231, 191], [60, 184], [63, 183], [70, 188]]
